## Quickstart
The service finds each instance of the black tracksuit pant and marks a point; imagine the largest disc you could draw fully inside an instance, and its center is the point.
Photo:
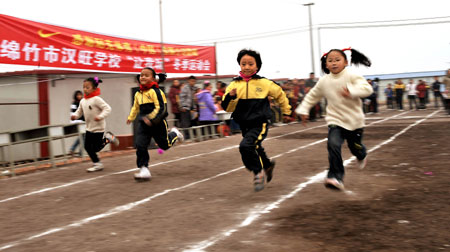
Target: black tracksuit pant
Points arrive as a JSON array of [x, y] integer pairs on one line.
[[336, 137], [145, 133], [253, 155], [93, 143]]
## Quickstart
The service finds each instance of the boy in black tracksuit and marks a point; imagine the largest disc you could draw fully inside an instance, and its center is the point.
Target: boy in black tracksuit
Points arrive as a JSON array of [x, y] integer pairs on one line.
[[247, 97], [151, 104]]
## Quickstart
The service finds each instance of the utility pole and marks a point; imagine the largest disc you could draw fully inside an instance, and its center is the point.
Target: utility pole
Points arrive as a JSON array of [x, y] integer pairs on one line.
[[311, 36], [161, 36]]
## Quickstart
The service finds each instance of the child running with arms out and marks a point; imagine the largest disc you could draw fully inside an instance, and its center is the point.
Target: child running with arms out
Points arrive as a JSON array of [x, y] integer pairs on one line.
[[150, 108], [345, 118], [247, 97], [95, 110]]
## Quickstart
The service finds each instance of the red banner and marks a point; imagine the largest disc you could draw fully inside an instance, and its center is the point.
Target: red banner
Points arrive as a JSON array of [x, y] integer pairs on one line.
[[26, 42]]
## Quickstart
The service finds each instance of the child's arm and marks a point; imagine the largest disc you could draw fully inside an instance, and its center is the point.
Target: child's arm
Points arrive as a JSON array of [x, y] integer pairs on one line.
[[78, 113], [134, 110], [104, 107], [312, 98], [229, 99], [359, 87], [280, 96]]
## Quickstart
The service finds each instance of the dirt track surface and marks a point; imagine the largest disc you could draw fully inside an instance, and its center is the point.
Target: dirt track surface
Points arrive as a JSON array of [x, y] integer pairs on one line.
[[202, 199]]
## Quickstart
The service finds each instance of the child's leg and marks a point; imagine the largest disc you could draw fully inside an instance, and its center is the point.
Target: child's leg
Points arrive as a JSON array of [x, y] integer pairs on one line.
[[251, 156], [92, 143], [334, 146], [143, 136], [354, 142], [164, 139]]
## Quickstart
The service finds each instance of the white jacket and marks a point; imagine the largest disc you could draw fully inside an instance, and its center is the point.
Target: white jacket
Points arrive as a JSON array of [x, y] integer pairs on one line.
[[91, 108], [344, 112]]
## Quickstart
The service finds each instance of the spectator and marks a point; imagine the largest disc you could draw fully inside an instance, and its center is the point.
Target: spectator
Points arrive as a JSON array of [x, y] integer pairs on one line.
[[220, 86], [174, 97], [422, 90], [187, 104], [207, 110], [437, 92], [373, 106], [399, 87], [77, 96], [411, 89], [389, 96]]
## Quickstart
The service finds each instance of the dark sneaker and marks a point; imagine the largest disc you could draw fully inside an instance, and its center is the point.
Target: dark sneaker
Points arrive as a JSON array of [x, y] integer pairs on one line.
[[334, 184], [269, 171], [258, 181], [111, 138]]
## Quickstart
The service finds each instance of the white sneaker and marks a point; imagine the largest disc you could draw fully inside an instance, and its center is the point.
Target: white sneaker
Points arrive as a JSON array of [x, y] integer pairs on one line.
[[143, 175], [334, 184], [258, 181], [362, 163], [97, 167], [111, 138], [179, 134]]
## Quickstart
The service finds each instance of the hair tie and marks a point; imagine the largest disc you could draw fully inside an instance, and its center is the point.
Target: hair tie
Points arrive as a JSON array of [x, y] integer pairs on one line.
[[96, 79], [345, 49]]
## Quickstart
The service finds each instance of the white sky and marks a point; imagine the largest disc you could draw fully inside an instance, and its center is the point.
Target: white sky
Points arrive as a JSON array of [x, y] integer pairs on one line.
[[392, 49]]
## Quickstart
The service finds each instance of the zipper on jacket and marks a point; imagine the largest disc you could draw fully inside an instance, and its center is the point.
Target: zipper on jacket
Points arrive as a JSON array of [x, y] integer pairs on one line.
[[247, 90]]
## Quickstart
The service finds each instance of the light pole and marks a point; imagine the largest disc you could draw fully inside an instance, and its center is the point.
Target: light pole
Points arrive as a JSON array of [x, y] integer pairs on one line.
[[161, 35], [311, 36]]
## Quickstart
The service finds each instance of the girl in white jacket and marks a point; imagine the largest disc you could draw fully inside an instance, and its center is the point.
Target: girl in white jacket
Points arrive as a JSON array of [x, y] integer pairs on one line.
[[345, 118], [94, 109]]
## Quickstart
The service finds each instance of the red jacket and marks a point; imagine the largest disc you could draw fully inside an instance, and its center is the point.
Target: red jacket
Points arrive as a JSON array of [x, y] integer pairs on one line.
[[422, 90], [174, 97]]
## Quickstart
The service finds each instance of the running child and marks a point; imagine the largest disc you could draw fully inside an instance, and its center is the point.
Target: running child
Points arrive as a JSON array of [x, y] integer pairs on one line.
[[95, 110], [345, 118], [247, 97], [150, 108]]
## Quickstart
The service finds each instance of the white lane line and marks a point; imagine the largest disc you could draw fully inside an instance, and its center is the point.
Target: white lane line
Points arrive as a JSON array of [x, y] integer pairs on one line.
[[131, 205], [254, 214], [135, 169]]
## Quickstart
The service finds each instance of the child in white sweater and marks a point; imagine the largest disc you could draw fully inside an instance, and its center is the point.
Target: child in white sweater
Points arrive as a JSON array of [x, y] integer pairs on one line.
[[345, 118], [94, 109]]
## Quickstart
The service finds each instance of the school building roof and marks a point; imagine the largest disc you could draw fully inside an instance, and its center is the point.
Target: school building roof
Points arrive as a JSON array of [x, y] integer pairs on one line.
[[406, 75]]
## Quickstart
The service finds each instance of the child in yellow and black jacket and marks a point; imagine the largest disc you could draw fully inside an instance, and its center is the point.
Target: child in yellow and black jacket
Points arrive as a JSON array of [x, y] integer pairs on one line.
[[247, 97], [151, 104]]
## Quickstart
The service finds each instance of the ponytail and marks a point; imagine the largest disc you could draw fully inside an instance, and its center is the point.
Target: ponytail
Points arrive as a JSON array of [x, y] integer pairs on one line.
[[161, 76], [357, 58], [95, 81]]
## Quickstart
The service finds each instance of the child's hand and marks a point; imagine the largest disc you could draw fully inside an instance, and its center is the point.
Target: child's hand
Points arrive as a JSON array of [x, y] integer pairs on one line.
[[97, 118], [304, 119], [233, 92], [147, 121], [73, 117], [345, 93], [128, 121]]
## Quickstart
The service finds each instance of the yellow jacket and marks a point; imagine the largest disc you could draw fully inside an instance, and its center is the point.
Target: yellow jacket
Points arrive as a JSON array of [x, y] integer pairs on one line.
[[251, 103], [151, 103]]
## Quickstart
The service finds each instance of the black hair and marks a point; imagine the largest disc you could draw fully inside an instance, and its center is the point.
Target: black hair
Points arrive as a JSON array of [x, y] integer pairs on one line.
[[205, 85], [192, 77], [95, 81], [357, 58], [223, 85], [75, 94], [251, 53], [161, 76]]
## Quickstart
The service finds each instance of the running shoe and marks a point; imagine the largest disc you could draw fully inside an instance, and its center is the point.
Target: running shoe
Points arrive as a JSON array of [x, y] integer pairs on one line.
[[334, 184], [111, 138], [97, 167], [179, 134], [143, 175], [258, 182], [269, 171]]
